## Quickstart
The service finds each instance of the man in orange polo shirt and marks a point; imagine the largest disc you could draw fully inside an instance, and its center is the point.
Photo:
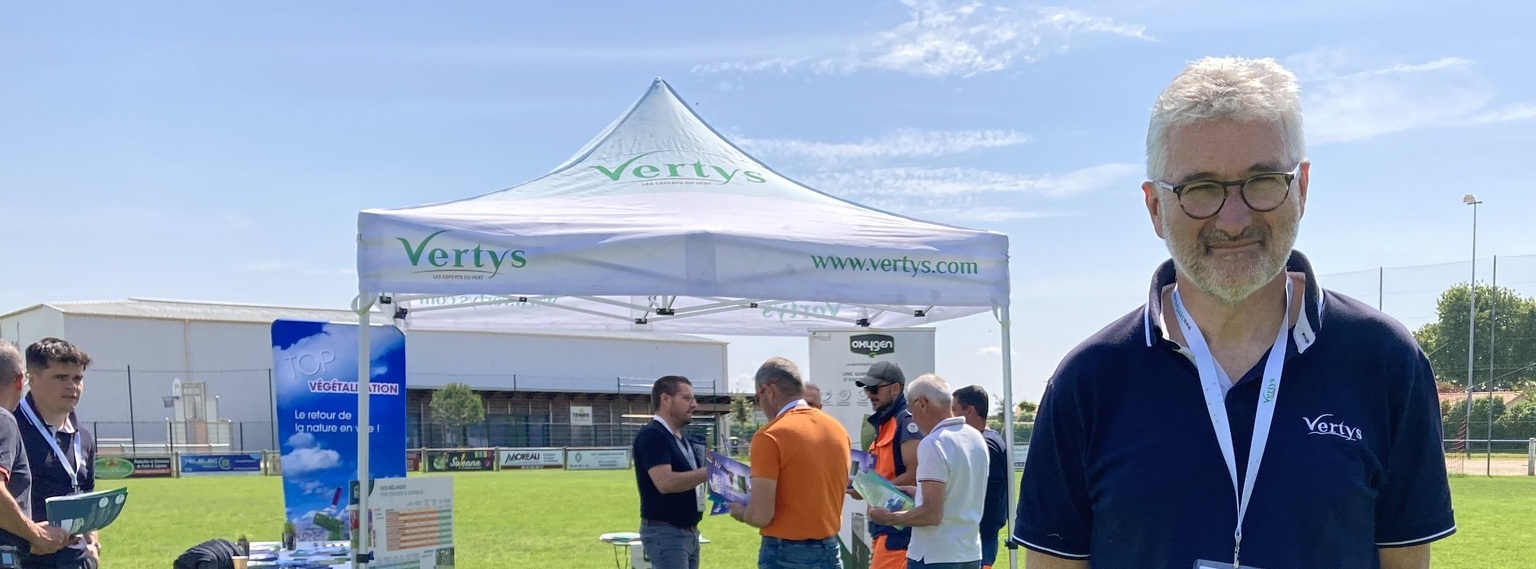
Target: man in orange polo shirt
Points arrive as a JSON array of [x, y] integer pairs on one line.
[[799, 471], [895, 452]]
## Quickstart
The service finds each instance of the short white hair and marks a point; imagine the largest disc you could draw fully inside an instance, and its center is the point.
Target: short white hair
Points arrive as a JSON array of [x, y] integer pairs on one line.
[[931, 387], [10, 361], [1230, 88]]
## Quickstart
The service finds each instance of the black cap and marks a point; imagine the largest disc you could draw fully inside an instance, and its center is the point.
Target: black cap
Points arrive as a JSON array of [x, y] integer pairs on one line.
[[882, 373]]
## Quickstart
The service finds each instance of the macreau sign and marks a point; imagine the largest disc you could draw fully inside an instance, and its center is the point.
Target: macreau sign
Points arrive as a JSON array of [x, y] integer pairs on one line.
[[517, 458]]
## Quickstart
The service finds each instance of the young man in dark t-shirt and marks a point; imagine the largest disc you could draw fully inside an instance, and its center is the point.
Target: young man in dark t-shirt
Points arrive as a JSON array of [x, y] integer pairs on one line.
[[972, 403], [670, 471], [61, 451]]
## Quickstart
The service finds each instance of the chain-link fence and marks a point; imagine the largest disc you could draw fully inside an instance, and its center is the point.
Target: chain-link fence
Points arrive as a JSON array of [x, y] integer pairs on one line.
[[1488, 335], [189, 437], [512, 433]]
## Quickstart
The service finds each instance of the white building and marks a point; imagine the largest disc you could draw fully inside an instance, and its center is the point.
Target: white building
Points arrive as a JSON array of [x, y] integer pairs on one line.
[[200, 373]]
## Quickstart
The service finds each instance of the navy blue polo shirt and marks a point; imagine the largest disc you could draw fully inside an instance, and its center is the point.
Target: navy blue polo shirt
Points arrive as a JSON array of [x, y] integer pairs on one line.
[[994, 513], [49, 479], [1124, 468]]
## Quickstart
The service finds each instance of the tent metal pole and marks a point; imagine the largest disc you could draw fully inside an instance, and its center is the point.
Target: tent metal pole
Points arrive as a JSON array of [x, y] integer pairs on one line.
[[1005, 323], [363, 555]]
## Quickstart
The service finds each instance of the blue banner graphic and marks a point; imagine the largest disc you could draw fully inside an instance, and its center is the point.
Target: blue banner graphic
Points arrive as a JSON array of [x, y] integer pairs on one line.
[[315, 374], [242, 463]]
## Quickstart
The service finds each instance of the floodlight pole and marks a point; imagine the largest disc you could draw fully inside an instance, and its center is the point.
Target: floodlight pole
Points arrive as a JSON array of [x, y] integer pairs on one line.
[[1471, 200]]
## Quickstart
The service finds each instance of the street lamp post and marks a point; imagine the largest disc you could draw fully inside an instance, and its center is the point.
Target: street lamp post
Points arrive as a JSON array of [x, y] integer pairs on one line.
[[1471, 200]]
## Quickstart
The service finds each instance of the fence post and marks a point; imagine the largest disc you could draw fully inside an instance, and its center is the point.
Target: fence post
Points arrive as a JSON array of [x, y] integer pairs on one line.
[[133, 438], [1530, 458]]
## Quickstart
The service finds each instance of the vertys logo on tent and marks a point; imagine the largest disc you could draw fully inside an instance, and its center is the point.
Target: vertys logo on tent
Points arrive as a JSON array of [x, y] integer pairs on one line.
[[460, 263], [872, 344], [696, 172]]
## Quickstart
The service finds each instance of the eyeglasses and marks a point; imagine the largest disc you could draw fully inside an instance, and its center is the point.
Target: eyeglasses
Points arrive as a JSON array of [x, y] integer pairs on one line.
[[872, 389], [1205, 198]]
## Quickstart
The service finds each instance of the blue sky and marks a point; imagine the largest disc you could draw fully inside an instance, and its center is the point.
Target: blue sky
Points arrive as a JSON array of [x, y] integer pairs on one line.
[[221, 152]]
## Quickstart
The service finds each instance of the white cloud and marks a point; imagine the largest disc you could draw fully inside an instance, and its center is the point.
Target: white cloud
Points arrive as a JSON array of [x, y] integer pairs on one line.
[[1515, 112], [966, 195], [1349, 94], [990, 351], [954, 185], [301, 440], [947, 38], [306, 460], [901, 143]]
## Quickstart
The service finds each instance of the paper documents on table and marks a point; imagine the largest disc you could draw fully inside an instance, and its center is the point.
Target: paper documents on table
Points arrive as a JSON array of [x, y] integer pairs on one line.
[[880, 493], [83, 513], [730, 482]]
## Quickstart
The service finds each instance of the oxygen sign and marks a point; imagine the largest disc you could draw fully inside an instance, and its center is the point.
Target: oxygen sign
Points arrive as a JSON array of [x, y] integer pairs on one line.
[[872, 345]]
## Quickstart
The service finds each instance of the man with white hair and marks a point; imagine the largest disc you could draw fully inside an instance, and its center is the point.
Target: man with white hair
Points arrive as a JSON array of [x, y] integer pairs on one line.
[[951, 483], [1244, 416]]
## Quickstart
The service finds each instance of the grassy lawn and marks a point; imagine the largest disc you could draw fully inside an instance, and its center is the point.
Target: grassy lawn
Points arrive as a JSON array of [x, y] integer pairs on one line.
[[551, 518]]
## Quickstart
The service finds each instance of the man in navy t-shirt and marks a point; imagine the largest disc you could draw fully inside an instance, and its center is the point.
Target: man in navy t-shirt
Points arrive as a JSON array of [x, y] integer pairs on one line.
[[670, 471], [972, 403], [62, 452], [1244, 416]]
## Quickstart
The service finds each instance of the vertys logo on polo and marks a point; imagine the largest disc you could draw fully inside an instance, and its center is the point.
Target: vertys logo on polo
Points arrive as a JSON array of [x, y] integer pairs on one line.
[[872, 344], [1321, 426], [460, 263]]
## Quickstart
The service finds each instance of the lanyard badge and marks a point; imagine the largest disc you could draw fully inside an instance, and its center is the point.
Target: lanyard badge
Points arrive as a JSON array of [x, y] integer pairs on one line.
[[70, 467], [1215, 403]]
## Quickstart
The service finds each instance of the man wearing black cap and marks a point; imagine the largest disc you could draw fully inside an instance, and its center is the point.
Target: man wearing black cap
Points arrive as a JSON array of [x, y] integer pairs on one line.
[[895, 452]]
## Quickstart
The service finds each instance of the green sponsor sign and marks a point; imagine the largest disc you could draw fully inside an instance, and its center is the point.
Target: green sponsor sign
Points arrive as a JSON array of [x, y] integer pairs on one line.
[[113, 468]]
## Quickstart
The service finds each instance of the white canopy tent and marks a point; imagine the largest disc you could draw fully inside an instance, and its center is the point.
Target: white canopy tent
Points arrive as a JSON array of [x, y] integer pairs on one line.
[[660, 224]]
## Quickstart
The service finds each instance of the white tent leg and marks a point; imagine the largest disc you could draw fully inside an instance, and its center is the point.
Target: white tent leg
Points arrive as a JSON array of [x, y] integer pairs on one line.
[[364, 355], [1004, 323]]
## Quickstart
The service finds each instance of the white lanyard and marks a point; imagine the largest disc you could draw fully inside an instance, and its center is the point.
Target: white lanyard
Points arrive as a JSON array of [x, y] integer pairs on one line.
[[682, 444], [69, 467], [699, 493], [1215, 403]]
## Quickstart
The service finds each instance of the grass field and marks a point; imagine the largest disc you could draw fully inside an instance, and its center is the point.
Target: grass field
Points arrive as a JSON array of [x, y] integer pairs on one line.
[[551, 519]]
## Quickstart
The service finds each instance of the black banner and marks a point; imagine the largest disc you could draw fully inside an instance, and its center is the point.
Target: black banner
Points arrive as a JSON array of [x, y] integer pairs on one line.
[[460, 460]]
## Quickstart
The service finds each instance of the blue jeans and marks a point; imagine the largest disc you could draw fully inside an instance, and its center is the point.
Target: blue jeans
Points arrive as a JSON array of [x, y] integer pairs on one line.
[[988, 548], [670, 548], [778, 553], [915, 564]]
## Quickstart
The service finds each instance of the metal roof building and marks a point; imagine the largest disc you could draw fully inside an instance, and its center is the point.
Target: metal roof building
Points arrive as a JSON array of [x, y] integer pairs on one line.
[[199, 373]]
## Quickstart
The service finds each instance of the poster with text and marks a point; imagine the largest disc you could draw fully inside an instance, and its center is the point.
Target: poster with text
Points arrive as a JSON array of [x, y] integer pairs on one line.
[[838, 359], [413, 523], [315, 375]]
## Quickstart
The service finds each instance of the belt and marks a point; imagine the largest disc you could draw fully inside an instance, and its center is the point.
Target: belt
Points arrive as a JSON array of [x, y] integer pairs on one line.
[[662, 524]]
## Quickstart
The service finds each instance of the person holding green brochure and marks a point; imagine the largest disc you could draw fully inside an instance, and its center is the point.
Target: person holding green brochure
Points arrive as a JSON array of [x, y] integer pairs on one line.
[[61, 450]]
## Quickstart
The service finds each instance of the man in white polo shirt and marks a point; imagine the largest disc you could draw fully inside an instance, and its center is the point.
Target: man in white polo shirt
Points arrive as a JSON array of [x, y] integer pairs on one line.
[[952, 484]]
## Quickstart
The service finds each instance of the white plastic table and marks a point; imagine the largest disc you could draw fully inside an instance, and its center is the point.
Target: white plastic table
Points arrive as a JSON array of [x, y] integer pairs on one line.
[[630, 541]]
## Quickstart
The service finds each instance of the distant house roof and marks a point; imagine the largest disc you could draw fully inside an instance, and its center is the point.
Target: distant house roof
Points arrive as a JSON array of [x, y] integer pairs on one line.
[[264, 314]]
